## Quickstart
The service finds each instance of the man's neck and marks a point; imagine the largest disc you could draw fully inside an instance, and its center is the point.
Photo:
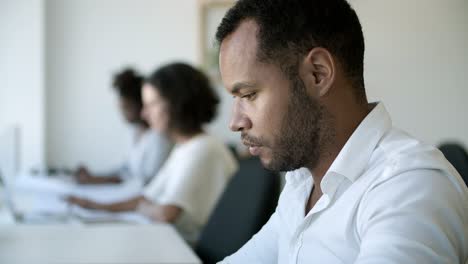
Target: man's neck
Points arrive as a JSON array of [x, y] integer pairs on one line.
[[344, 126]]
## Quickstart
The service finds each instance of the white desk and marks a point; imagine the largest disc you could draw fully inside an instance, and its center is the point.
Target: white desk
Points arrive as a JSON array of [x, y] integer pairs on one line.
[[158, 243]]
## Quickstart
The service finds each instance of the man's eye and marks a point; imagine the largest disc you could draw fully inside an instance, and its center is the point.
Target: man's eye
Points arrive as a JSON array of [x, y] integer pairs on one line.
[[249, 96]]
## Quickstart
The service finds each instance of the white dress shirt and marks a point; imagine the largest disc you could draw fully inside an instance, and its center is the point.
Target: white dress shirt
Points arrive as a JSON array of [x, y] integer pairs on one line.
[[193, 178], [148, 154], [387, 198]]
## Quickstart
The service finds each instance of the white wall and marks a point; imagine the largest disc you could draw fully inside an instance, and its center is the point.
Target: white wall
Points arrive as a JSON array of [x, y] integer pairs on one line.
[[21, 75], [88, 41], [417, 63]]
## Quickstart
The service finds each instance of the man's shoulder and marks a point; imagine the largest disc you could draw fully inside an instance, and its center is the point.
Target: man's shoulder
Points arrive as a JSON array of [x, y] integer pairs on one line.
[[399, 152], [402, 159]]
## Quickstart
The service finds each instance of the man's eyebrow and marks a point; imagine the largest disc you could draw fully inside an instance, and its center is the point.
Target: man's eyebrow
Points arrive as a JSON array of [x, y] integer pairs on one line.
[[241, 85]]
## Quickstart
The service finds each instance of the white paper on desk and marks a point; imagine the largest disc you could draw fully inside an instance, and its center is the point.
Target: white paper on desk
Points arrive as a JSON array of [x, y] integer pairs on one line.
[[43, 184], [42, 194], [62, 186], [37, 202]]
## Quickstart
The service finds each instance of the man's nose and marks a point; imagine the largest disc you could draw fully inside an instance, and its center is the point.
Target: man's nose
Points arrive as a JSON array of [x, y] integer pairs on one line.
[[239, 120]]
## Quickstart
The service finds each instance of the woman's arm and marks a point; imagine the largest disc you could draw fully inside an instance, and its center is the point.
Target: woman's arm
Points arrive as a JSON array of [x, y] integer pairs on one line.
[[128, 205], [83, 176], [164, 213]]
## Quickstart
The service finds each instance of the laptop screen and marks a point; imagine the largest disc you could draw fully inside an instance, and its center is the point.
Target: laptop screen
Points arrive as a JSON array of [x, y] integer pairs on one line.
[[8, 154]]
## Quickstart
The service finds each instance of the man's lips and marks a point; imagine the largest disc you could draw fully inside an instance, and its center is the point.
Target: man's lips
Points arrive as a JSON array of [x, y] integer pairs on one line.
[[250, 145], [254, 149]]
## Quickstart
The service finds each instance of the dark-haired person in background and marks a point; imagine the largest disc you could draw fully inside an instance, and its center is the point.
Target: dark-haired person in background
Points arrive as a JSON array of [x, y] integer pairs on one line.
[[358, 190], [150, 148], [179, 100]]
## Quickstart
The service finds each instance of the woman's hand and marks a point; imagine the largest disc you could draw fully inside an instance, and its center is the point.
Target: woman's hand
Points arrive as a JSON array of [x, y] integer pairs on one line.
[[83, 176]]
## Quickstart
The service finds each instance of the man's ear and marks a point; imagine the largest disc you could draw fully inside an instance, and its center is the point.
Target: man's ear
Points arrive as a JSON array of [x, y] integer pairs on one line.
[[317, 71]]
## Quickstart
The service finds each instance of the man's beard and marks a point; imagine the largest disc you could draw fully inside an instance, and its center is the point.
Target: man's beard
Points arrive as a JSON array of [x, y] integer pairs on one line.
[[299, 141]]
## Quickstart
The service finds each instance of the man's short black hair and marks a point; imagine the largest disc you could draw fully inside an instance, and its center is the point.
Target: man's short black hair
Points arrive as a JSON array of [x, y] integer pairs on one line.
[[191, 99], [128, 84], [289, 29]]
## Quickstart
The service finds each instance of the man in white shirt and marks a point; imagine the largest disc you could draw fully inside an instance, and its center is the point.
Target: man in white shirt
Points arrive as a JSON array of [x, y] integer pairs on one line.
[[358, 190]]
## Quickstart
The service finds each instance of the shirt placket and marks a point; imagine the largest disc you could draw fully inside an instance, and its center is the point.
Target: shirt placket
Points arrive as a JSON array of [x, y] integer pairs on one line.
[[297, 241], [329, 187]]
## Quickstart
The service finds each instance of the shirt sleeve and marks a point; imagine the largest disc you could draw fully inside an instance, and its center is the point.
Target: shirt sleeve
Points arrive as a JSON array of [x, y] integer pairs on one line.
[[197, 181], [261, 248], [414, 223], [146, 157], [155, 154], [186, 180]]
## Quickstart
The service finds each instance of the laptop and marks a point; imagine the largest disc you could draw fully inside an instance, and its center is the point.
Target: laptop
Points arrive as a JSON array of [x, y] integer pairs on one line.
[[7, 201], [8, 168]]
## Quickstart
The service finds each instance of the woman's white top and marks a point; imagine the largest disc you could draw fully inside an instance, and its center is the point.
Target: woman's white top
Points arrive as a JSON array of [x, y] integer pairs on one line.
[[193, 178]]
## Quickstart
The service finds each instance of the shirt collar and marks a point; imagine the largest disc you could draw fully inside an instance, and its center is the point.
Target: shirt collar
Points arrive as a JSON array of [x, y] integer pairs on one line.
[[356, 153]]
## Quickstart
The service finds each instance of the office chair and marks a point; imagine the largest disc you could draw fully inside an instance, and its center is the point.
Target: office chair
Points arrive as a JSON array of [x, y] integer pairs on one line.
[[458, 157], [246, 205]]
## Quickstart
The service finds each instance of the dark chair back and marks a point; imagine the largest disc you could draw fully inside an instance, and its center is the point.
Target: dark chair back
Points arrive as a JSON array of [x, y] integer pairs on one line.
[[246, 205], [456, 155]]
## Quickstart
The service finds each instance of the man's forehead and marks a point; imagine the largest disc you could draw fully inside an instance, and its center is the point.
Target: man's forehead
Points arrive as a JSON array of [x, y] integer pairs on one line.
[[238, 53]]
